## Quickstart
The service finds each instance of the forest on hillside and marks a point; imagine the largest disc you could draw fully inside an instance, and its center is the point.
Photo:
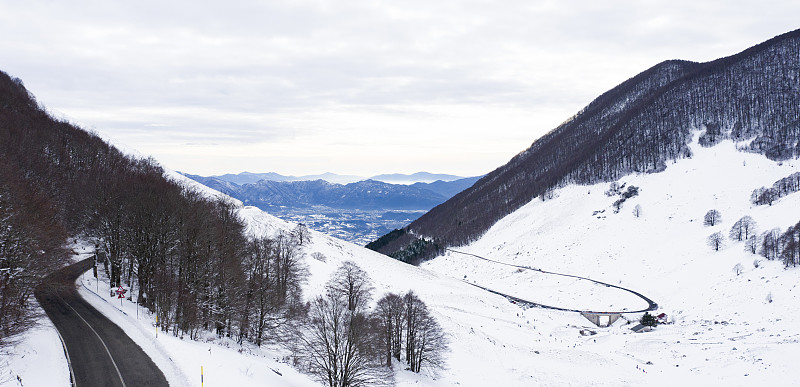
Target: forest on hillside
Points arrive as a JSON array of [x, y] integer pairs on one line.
[[636, 127], [187, 254]]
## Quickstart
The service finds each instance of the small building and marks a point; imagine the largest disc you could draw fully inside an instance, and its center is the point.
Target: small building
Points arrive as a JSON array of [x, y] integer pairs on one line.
[[662, 318], [641, 328]]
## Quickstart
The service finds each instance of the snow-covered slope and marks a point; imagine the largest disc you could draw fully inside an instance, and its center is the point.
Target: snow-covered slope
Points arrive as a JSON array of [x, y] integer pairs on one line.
[[725, 330]]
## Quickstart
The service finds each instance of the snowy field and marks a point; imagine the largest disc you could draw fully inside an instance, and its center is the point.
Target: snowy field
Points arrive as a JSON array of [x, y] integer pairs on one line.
[[724, 331]]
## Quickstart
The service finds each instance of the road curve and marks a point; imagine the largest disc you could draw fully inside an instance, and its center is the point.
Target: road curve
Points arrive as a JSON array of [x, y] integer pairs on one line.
[[651, 305], [99, 352]]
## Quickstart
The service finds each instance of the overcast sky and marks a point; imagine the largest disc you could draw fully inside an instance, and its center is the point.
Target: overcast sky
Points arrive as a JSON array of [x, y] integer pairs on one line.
[[352, 87]]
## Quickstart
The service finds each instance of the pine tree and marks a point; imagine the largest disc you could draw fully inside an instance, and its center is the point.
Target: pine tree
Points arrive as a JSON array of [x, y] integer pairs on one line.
[[648, 320]]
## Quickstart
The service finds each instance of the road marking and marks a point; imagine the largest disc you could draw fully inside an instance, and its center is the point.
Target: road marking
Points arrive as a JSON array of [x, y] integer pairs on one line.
[[98, 337], [72, 379]]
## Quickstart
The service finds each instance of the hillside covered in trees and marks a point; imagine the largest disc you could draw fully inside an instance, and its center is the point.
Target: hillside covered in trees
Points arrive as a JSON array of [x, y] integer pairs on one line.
[[187, 253], [637, 127]]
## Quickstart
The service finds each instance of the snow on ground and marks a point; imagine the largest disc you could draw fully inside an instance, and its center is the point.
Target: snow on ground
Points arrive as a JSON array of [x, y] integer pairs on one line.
[[36, 351], [221, 361], [724, 331]]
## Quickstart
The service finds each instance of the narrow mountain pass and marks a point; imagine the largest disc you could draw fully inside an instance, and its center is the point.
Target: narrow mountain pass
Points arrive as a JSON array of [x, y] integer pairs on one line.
[[98, 351]]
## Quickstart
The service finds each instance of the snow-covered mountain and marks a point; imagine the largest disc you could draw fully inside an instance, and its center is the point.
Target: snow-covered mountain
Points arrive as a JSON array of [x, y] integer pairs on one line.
[[731, 312], [727, 326], [365, 194], [640, 126]]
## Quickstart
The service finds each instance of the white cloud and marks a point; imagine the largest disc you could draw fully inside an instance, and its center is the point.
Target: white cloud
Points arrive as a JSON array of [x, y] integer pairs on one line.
[[308, 86]]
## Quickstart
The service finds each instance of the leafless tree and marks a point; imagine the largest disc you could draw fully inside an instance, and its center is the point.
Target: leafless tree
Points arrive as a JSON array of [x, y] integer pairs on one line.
[[319, 256], [790, 242], [712, 217], [770, 244], [339, 340], [431, 345], [30, 247], [352, 283], [715, 240], [751, 244], [743, 228], [301, 234], [390, 311], [426, 342]]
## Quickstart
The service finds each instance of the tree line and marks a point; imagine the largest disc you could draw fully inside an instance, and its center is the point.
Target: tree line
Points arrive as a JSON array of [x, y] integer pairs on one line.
[[187, 254], [31, 246], [772, 244], [765, 196]]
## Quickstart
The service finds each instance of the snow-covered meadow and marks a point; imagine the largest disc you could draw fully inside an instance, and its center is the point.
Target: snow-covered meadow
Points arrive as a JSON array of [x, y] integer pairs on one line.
[[724, 330]]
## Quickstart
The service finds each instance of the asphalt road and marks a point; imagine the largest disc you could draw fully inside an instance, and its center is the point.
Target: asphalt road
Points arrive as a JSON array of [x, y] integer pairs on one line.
[[651, 305], [100, 353]]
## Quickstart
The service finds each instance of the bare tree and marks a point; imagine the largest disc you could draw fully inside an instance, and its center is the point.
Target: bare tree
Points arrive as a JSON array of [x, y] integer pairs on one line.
[[715, 240], [288, 267], [262, 298], [751, 244], [637, 210], [431, 344], [31, 245], [390, 311], [337, 345], [770, 244], [426, 342], [712, 217], [319, 256], [790, 241], [339, 340], [353, 283], [301, 234], [743, 228]]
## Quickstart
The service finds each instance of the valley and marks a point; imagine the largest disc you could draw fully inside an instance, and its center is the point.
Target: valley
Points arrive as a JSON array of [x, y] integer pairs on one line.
[[358, 211], [353, 225], [675, 193]]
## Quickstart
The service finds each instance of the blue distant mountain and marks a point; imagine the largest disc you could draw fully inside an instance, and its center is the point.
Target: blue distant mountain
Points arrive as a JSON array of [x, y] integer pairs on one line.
[[250, 177], [391, 178], [364, 195], [358, 211], [419, 177]]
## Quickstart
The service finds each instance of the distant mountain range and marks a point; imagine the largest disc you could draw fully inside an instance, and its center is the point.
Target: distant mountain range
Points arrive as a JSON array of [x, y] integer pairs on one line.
[[357, 211], [393, 178], [365, 194], [250, 177], [419, 177]]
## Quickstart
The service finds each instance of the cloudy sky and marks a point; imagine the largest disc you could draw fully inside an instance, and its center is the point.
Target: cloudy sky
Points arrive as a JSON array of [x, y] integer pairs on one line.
[[353, 87]]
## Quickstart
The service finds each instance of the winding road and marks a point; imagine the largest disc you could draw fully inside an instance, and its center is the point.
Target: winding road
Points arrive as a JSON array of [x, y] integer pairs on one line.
[[99, 353], [651, 305]]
